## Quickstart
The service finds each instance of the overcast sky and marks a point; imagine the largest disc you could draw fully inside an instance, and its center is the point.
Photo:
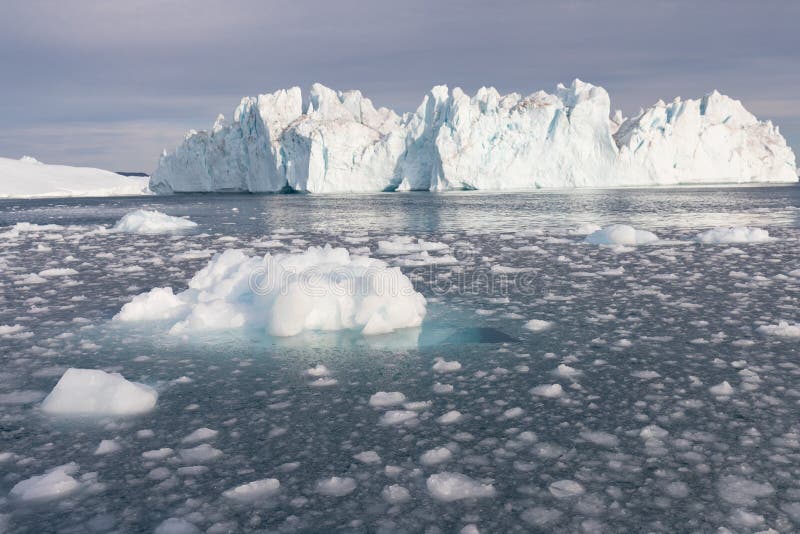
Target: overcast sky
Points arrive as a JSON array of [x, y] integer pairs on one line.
[[112, 83]]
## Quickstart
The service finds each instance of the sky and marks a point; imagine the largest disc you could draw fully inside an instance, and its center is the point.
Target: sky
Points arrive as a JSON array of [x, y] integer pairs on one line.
[[111, 84]]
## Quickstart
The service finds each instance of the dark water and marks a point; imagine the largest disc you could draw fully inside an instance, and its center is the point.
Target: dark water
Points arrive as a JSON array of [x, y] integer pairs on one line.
[[637, 428]]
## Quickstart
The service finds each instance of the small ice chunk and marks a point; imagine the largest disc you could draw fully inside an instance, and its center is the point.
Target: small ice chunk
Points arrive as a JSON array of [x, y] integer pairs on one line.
[[200, 454], [398, 417], [436, 456], [107, 446], [201, 434], [742, 491], [157, 454], [395, 494], [733, 234], [550, 391], [604, 439], [449, 487], [386, 398], [336, 486], [443, 366], [562, 489], [54, 484], [368, 457], [453, 416], [253, 491], [620, 234], [539, 325], [723, 389], [317, 371], [152, 222], [176, 525], [782, 329], [95, 392]]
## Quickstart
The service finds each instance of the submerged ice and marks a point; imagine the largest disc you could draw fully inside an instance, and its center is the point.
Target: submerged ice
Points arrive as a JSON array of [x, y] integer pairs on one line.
[[326, 141]]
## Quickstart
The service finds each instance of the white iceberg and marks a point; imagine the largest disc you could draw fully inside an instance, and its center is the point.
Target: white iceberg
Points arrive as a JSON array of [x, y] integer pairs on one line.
[[620, 234], [29, 178], [95, 392], [328, 141], [152, 222], [733, 234], [321, 289], [55, 484]]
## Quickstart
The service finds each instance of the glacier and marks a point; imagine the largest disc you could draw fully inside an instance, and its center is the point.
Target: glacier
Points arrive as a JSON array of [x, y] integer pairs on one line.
[[327, 141]]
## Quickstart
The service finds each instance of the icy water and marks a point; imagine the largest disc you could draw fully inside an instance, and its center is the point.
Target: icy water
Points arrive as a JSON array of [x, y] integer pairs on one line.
[[640, 436]]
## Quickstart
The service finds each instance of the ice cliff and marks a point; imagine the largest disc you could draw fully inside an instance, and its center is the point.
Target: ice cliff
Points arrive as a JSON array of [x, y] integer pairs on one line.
[[328, 141]]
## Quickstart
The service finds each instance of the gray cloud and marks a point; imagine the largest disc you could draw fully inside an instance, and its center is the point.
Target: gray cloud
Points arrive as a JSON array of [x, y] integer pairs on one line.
[[111, 83]]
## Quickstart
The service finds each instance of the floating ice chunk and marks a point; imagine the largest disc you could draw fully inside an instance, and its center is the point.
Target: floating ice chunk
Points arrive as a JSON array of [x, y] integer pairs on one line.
[[107, 446], [782, 329], [653, 432], [620, 234], [50, 273], [398, 417], [741, 491], [539, 325], [200, 454], [395, 494], [562, 489], [436, 456], [386, 398], [408, 245], [585, 229], [368, 457], [451, 417], [723, 389], [442, 389], [7, 330], [513, 413], [176, 525], [539, 516], [323, 382], [54, 484], [550, 391], [201, 434], [95, 392], [336, 486], [159, 304], [733, 234], [157, 454], [449, 487], [321, 289], [152, 222], [443, 366], [566, 371], [317, 371], [254, 491], [604, 439]]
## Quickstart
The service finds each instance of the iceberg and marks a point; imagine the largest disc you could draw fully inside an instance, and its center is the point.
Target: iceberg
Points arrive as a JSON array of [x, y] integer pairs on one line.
[[29, 178], [327, 141], [283, 295]]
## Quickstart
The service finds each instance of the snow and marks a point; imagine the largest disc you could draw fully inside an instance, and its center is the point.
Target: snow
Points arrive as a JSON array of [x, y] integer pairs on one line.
[[54, 484], [253, 491], [95, 392], [340, 142], [28, 178], [620, 234], [321, 289], [733, 234], [152, 222], [449, 487]]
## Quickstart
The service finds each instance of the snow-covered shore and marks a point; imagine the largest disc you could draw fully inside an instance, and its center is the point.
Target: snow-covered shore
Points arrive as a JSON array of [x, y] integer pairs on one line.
[[29, 178]]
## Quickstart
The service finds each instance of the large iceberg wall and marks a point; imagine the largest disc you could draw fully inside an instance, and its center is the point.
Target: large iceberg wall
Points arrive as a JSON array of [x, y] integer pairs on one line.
[[338, 141]]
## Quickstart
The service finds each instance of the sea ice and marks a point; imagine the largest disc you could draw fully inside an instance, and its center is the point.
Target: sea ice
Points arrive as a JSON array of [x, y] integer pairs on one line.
[[253, 491], [733, 234], [95, 392], [620, 234], [336, 486], [323, 289], [54, 484], [152, 222], [449, 487]]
